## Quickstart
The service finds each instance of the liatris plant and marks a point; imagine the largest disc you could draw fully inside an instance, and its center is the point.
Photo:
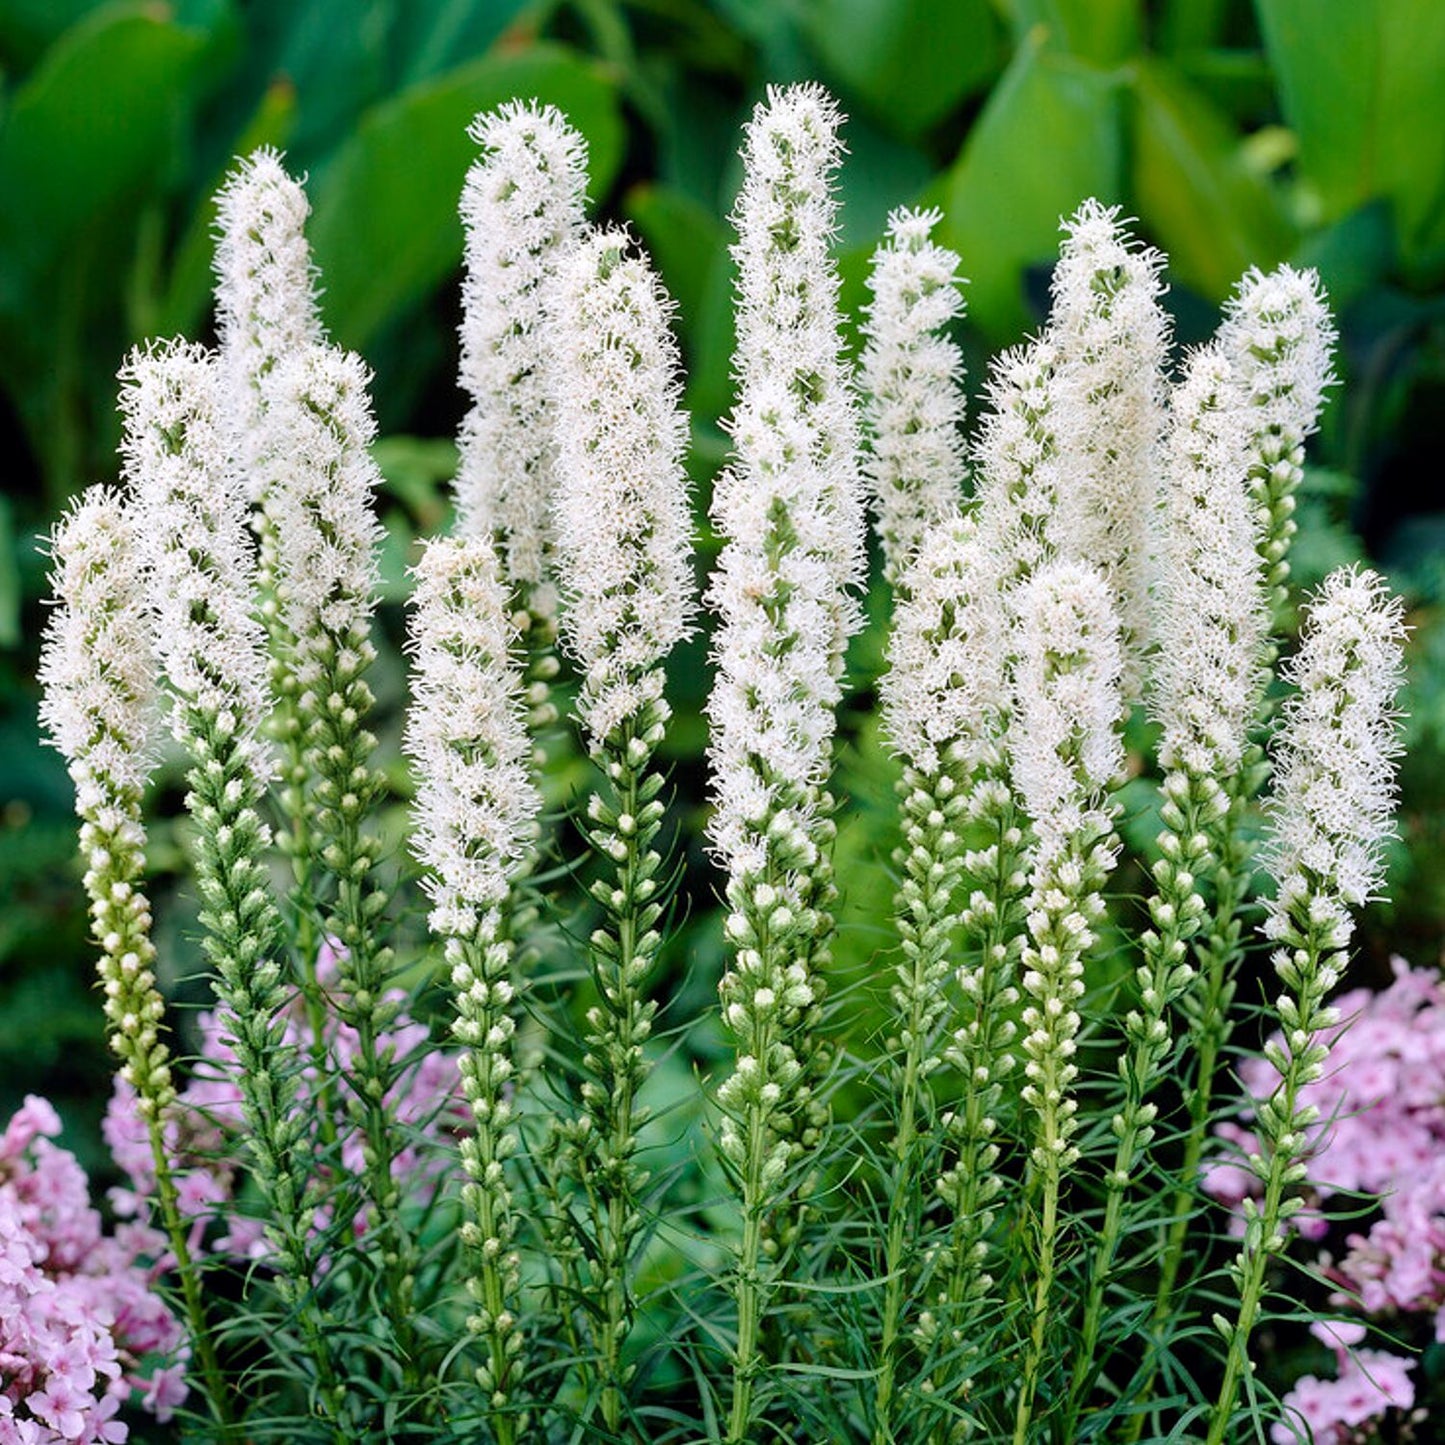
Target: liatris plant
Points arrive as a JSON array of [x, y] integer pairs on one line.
[[416, 1184]]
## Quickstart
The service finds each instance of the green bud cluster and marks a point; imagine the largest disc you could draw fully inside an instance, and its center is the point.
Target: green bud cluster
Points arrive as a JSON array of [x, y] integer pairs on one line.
[[623, 821]]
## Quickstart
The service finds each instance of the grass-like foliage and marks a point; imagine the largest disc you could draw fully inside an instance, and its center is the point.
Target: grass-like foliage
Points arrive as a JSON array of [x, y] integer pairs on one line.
[[413, 1188]]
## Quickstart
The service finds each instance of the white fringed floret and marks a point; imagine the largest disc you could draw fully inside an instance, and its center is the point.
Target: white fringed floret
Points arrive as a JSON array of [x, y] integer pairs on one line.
[[789, 508], [947, 684], [1212, 619], [1112, 338], [1334, 789], [911, 374], [317, 431], [266, 307], [476, 805], [1066, 748], [1279, 334], [622, 517], [192, 525], [522, 207], [1016, 458], [97, 669]]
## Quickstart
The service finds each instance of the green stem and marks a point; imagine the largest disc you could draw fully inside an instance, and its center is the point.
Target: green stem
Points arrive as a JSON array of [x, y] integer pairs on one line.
[[1176, 911], [1311, 962], [243, 934], [900, 1215], [1043, 1289], [933, 862], [621, 954], [213, 1381], [749, 1291]]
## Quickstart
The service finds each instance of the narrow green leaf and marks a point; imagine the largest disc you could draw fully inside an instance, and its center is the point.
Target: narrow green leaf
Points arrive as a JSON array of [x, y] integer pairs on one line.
[[1213, 216], [385, 228], [1003, 201]]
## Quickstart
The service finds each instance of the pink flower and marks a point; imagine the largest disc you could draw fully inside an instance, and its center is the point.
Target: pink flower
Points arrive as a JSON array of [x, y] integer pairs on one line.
[[77, 1308]]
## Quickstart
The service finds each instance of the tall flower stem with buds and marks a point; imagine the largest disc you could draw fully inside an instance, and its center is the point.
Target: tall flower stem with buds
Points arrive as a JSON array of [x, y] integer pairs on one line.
[[911, 372], [100, 707], [475, 808], [1213, 624], [623, 527], [1330, 811], [1278, 334], [211, 655], [790, 512], [266, 313], [945, 699], [1066, 752], [319, 506], [1277, 338], [522, 209]]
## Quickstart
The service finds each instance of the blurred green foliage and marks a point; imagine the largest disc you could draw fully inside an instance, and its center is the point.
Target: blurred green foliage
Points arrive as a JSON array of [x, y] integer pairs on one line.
[[1311, 130]]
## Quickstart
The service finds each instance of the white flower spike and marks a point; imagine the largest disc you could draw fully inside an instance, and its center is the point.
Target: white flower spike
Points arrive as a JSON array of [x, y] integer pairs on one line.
[[522, 206]]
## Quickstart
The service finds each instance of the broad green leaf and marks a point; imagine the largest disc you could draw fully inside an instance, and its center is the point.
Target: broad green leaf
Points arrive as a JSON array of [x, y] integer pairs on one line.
[[685, 239], [1103, 31], [189, 290], [879, 175], [689, 247], [1048, 139], [337, 58], [27, 27], [430, 36], [1360, 82], [385, 227], [1353, 256], [9, 577], [95, 122], [911, 62], [1213, 216]]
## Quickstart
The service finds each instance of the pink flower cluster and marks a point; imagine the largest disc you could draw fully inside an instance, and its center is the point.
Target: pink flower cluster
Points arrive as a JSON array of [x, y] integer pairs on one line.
[[1367, 1383], [202, 1132], [1381, 1131], [78, 1308]]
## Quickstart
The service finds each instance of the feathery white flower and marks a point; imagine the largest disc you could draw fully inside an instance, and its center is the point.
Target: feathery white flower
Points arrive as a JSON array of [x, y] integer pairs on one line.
[[476, 805], [192, 525], [522, 206], [1212, 620], [789, 330], [316, 433], [911, 374], [1112, 337], [1067, 705], [621, 514], [947, 683], [1016, 458], [97, 669], [1334, 789], [789, 508], [266, 308], [1279, 333]]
